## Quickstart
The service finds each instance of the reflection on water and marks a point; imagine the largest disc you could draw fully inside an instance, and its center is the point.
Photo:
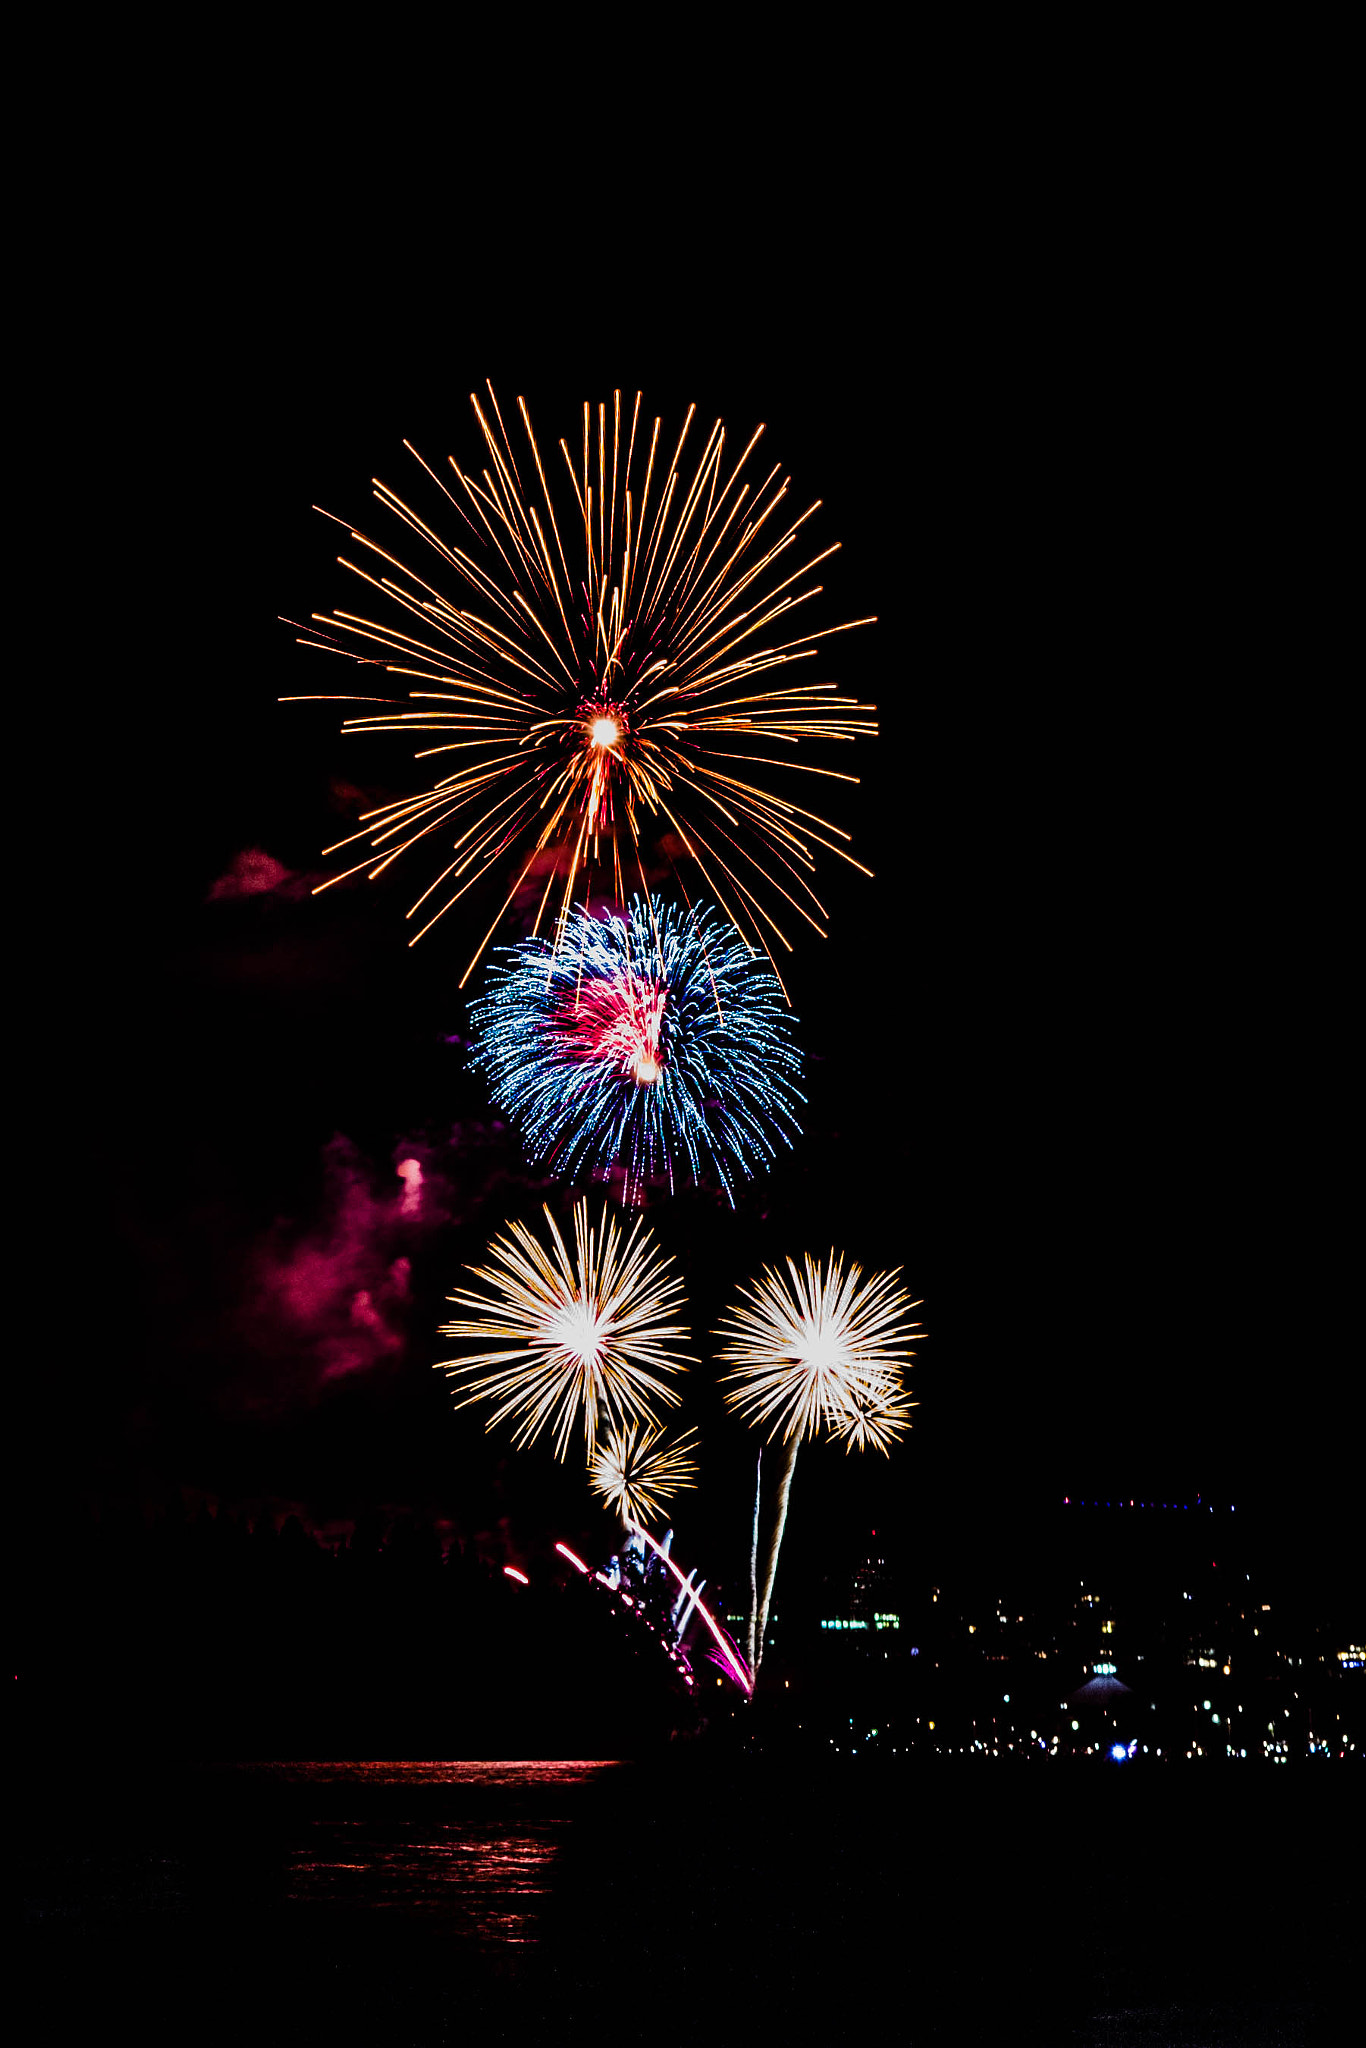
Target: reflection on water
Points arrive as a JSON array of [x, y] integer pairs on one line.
[[487, 1873], [494, 1777], [466, 1847]]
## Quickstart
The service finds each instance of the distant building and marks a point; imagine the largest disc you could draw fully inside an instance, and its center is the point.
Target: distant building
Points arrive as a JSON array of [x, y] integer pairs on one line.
[[863, 1604], [1102, 1689]]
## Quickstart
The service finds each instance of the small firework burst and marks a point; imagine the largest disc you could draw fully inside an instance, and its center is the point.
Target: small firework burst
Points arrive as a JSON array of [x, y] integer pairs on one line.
[[612, 682], [636, 1469], [582, 1337], [871, 1413], [657, 1042], [822, 1347]]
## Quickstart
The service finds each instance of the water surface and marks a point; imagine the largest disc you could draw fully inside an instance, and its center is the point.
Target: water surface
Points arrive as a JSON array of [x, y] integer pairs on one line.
[[484, 1862], [693, 1897]]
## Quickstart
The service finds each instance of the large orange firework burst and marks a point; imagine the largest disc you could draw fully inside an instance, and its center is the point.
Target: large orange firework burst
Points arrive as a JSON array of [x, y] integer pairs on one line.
[[618, 683]]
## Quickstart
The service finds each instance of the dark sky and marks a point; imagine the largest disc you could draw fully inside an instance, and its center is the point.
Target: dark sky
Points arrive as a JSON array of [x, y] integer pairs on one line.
[[1059, 1054]]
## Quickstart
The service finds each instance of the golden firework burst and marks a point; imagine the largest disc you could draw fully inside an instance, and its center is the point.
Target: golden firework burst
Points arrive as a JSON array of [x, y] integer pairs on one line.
[[871, 1413], [821, 1347], [636, 1469], [583, 1336], [615, 711]]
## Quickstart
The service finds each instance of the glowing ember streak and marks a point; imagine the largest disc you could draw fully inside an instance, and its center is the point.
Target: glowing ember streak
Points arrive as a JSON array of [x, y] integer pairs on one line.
[[636, 1470], [510, 1571], [582, 1337], [718, 1633], [577, 1562], [611, 711], [658, 1043]]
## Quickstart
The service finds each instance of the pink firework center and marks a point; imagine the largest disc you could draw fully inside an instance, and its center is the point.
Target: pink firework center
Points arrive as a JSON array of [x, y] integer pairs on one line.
[[618, 1023]]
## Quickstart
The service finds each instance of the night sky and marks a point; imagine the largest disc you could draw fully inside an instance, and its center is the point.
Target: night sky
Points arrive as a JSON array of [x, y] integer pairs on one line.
[[1062, 1063]]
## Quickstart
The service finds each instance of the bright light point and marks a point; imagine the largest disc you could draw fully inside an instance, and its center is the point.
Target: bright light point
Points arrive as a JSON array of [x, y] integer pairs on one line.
[[604, 732], [1119, 1752], [577, 1330], [510, 1571], [644, 1067]]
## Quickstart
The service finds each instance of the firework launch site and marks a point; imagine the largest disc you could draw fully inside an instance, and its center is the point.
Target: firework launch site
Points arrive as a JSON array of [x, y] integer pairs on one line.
[[1178, 1633], [1075, 1750]]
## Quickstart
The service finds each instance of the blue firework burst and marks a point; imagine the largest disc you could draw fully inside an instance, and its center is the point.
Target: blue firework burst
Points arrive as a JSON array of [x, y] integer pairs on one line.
[[658, 1043]]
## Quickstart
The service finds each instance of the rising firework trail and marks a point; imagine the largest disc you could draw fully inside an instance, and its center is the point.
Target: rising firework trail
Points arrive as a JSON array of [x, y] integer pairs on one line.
[[582, 1337], [614, 685], [821, 1348], [657, 1042]]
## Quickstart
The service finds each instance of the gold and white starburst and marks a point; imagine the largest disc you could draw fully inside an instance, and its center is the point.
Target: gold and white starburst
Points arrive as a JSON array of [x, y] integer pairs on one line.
[[610, 675], [636, 1469], [871, 1413], [581, 1337], [821, 1347]]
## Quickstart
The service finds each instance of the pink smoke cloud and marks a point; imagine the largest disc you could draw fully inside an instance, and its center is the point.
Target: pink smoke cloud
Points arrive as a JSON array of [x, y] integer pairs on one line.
[[256, 873], [331, 1300]]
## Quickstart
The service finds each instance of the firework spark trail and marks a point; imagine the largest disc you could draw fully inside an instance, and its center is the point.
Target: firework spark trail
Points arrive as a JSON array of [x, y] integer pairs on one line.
[[658, 1042], [637, 1469], [714, 1629], [630, 698], [578, 1337]]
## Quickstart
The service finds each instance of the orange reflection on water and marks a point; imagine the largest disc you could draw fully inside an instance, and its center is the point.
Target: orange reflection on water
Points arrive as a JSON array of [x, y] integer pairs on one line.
[[567, 1771], [483, 1857]]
